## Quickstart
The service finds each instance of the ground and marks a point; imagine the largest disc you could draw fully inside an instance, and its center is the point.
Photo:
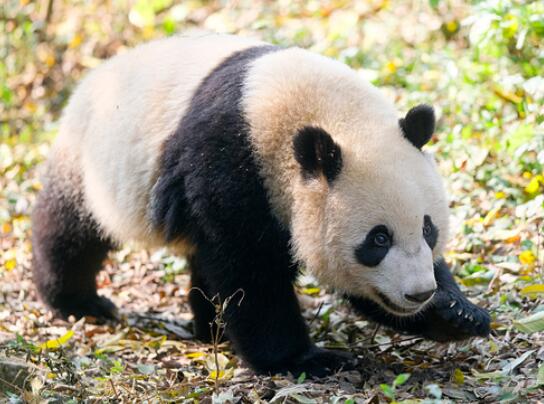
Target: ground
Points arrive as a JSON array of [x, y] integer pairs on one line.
[[480, 66]]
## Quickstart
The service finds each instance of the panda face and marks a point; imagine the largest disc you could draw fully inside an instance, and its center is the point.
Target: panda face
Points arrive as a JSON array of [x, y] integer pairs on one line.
[[383, 233], [371, 220], [379, 247]]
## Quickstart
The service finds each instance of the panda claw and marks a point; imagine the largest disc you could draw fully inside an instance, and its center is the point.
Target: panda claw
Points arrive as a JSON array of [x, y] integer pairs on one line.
[[453, 303], [460, 312]]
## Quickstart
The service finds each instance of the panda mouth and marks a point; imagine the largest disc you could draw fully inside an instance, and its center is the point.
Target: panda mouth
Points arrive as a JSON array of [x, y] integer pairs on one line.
[[392, 306]]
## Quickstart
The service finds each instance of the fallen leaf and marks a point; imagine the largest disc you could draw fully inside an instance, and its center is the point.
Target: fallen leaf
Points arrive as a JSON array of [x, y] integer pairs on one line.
[[58, 342], [532, 290], [527, 257], [458, 376], [506, 370], [531, 324]]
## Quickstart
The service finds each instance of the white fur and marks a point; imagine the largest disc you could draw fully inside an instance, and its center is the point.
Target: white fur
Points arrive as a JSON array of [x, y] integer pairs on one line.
[[119, 117], [384, 179]]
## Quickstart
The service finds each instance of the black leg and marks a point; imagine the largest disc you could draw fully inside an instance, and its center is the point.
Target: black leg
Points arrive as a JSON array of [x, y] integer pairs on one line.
[[199, 299], [449, 317], [68, 251], [263, 316]]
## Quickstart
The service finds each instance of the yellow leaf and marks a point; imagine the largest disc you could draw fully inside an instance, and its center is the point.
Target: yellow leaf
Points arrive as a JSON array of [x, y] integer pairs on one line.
[[500, 195], [493, 347], [195, 355], [311, 291], [148, 32], [527, 175], [10, 264], [50, 60], [30, 106], [491, 215], [391, 67], [6, 228], [452, 26], [534, 185], [458, 376], [66, 337], [510, 24], [57, 343], [507, 95], [223, 374], [527, 257], [532, 290], [75, 42], [213, 374]]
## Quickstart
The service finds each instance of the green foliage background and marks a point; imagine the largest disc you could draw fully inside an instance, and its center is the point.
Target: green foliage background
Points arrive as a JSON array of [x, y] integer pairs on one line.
[[480, 64]]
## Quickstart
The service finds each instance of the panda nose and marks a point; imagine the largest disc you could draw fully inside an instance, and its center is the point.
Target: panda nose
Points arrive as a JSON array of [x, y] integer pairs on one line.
[[420, 297]]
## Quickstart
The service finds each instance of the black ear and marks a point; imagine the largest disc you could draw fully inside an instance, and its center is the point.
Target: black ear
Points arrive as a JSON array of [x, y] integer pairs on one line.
[[317, 153], [418, 125]]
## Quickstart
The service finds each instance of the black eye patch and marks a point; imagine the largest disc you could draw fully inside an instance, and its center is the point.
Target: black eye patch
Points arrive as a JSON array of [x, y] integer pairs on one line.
[[375, 246], [430, 232]]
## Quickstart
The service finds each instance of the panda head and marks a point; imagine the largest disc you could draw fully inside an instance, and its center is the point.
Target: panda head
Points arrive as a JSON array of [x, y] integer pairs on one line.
[[370, 214]]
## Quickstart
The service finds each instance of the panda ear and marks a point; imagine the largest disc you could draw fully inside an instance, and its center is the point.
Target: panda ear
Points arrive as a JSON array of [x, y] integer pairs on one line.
[[317, 153], [418, 125]]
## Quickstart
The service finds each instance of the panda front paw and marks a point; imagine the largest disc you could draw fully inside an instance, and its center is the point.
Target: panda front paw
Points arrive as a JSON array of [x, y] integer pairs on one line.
[[320, 362], [456, 318]]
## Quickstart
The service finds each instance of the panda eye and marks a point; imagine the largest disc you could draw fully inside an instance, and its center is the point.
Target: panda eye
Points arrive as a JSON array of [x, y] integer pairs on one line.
[[374, 247], [430, 232], [382, 240]]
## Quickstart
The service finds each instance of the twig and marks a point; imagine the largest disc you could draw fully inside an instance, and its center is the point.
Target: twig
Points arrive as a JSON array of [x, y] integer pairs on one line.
[[11, 384], [220, 324], [316, 314], [355, 345], [49, 12], [114, 389], [378, 326]]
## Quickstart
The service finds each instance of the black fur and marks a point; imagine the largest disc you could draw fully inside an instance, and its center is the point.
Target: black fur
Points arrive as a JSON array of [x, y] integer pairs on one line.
[[203, 304], [68, 250], [317, 153], [418, 125], [432, 236], [369, 253], [449, 316], [210, 191]]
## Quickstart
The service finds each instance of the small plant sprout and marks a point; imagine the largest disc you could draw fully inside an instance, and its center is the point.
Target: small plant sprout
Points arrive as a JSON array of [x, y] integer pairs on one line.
[[390, 390], [218, 325]]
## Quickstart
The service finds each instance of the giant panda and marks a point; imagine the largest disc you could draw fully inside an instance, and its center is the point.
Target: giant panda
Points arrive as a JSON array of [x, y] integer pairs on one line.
[[252, 160]]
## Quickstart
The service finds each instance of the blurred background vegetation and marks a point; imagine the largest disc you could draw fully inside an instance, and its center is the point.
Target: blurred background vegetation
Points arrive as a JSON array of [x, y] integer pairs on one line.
[[479, 63]]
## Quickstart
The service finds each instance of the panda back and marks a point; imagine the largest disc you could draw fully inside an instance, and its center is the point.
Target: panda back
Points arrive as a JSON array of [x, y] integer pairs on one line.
[[119, 117]]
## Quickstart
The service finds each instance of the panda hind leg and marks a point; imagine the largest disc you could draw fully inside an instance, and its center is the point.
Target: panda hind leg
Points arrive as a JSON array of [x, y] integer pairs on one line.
[[68, 250], [202, 305]]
